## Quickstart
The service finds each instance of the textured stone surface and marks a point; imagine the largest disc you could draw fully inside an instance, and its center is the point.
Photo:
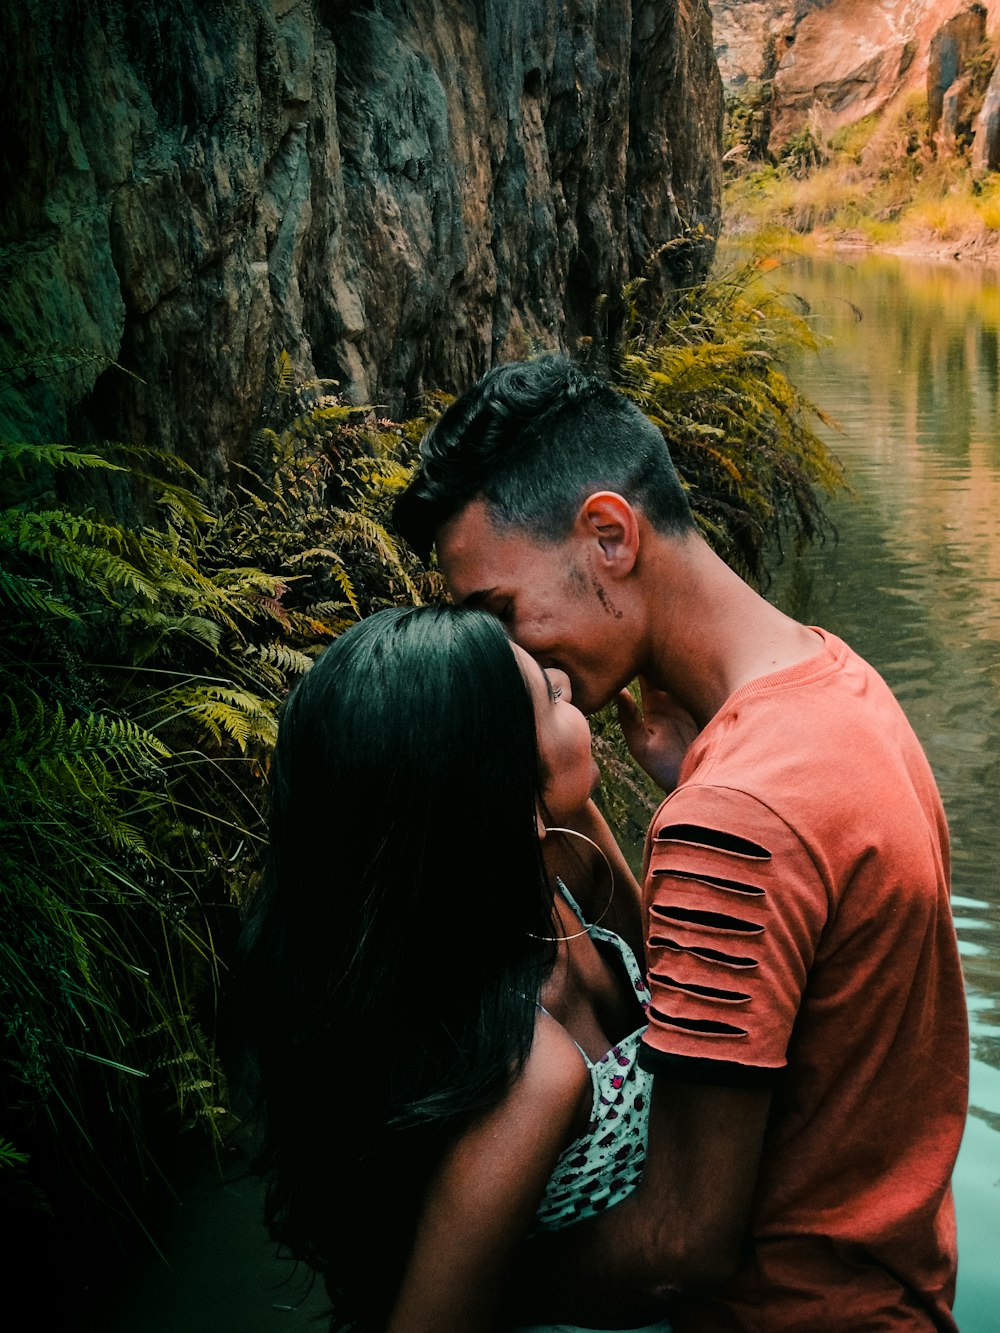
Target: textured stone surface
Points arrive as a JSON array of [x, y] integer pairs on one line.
[[986, 136], [948, 83], [743, 29], [839, 60], [395, 193]]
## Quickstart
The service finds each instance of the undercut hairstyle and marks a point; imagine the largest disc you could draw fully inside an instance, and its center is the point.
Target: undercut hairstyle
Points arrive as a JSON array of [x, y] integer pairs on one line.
[[534, 439], [390, 961]]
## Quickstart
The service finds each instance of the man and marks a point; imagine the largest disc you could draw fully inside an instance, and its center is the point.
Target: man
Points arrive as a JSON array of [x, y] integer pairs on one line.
[[807, 1032]]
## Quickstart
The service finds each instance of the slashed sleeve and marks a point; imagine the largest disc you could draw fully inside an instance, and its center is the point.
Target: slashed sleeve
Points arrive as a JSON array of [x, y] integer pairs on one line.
[[735, 909]]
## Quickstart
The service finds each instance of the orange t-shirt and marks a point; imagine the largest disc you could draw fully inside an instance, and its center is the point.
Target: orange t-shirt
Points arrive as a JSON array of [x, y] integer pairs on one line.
[[800, 936]]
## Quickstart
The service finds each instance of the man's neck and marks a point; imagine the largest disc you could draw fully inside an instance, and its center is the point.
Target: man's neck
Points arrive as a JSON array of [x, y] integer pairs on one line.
[[711, 633]]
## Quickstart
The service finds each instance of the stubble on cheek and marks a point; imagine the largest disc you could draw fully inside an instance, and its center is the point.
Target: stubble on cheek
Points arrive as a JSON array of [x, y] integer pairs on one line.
[[577, 581]]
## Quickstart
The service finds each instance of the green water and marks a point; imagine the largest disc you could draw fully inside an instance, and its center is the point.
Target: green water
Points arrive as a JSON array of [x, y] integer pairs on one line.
[[912, 376]]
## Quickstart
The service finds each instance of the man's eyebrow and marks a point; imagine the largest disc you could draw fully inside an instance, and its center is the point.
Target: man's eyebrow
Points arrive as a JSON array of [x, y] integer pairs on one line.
[[477, 600]]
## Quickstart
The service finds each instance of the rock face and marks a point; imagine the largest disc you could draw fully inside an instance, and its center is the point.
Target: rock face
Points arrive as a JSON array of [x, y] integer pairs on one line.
[[952, 49], [744, 29], [395, 193], [986, 133], [840, 60]]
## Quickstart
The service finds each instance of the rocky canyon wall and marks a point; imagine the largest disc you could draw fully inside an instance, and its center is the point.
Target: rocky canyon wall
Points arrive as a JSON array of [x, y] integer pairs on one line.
[[397, 193], [836, 61]]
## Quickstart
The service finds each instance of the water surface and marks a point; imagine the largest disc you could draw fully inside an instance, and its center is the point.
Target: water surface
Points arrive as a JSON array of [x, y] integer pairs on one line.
[[911, 374]]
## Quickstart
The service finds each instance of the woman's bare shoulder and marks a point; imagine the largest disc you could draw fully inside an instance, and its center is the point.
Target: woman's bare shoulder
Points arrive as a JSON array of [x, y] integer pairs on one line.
[[483, 1197], [555, 1076]]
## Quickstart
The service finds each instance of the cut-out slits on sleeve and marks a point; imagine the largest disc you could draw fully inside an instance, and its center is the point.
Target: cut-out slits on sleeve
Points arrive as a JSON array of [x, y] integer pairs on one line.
[[708, 920]]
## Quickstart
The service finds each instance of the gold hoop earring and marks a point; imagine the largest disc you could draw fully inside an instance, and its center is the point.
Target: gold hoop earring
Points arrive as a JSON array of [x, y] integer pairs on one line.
[[561, 939]]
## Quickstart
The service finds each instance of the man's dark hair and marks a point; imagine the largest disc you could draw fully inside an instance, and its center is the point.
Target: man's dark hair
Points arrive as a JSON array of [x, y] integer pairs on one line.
[[534, 439]]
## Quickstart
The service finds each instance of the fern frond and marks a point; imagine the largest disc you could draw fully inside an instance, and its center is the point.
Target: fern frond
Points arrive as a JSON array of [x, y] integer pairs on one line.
[[21, 455], [150, 464], [341, 577], [79, 548], [46, 742], [289, 660], [184, 510], [158, 628], [281, 377], [313, 553], [33, 596], [226, 714]]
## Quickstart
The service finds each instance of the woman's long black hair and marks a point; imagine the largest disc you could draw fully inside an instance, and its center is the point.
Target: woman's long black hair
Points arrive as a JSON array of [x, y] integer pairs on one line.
[[389, 972]]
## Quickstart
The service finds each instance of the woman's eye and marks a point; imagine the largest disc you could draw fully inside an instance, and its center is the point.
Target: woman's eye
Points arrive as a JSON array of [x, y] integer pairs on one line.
[[555, 691]]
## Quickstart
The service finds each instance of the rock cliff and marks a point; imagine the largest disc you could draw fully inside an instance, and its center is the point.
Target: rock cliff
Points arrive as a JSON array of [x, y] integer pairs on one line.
[[395, 193], [836, 61]]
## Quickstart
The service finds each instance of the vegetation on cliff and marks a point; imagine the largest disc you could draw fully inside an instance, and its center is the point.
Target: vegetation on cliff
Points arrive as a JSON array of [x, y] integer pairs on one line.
[[882, 181]]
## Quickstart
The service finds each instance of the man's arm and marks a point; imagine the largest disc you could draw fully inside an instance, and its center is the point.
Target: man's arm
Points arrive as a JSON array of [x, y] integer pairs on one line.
[[683, 1227]]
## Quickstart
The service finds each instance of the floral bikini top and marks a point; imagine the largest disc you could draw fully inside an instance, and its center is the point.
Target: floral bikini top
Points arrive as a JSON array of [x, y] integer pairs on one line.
[[602, 1166]]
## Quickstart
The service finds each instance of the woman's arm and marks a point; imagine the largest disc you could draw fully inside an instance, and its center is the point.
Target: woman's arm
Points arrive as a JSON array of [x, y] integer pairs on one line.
[[483, 1198]]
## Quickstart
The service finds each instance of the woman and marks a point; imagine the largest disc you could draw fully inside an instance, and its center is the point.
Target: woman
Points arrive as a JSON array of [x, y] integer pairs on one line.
[[437, 1033]]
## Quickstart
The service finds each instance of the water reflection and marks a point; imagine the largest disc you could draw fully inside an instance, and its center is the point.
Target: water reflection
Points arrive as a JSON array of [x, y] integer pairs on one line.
[[911, 374]]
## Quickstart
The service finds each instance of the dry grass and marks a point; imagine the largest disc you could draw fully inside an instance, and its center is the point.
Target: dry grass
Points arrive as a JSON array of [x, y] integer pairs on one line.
[[881, 181]]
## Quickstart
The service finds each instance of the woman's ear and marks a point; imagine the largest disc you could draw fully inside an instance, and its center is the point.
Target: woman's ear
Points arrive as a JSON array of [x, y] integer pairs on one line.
[[540, 825], [610, 520]]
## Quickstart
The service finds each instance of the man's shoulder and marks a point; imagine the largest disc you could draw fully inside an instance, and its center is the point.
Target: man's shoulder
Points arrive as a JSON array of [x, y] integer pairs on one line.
[[739, 812]]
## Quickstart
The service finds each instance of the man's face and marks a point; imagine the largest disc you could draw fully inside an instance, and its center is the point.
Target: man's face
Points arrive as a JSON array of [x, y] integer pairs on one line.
[[552, 596]]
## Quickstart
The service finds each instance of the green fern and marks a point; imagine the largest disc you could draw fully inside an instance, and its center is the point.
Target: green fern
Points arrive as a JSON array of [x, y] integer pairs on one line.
[[142, 668], [708, 372]]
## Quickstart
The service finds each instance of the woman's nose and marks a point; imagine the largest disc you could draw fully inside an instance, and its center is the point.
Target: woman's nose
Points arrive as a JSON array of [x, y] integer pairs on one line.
[[560, 681]]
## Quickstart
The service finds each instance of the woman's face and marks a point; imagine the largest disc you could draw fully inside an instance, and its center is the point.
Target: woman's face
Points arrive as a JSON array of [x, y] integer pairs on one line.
[[569, 774]]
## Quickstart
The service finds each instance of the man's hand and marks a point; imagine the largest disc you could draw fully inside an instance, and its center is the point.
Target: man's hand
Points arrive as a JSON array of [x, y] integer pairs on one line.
[[657, 734]]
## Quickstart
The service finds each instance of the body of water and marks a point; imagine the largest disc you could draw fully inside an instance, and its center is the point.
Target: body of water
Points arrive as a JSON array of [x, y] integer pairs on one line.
[[911, 374]]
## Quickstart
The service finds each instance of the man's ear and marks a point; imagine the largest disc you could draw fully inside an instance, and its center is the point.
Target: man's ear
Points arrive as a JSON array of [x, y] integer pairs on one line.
[[610, 519]]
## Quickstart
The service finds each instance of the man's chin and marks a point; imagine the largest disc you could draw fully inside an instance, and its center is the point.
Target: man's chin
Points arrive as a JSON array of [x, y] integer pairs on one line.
[[587, 706]]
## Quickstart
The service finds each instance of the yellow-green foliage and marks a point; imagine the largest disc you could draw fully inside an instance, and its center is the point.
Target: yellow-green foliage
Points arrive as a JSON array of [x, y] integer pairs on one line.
[[142, 670], [960, 208], [989, 203], [851, 140], [709, 373], [882, 178]]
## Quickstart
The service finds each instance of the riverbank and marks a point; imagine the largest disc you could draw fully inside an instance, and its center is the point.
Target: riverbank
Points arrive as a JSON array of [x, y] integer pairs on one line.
[[973, 247], [880, 185]]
